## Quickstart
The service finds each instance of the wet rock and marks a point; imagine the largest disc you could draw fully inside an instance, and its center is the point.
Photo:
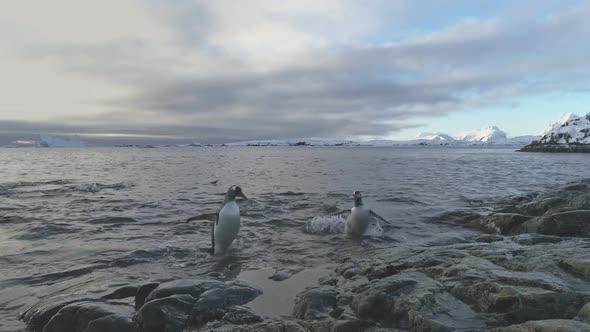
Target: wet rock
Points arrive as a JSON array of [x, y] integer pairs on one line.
[[520, 304], [580, 267], [121, 293], [541, 205], [348, 270], [239, 315], [143, 292], [413, 301], [39, 314], [315, 303], [533, 239], [571, 223], [193, 287], [489, 238], [551, 325], [285, 273], [266, 325], [503, 223], [460, 218], [584, 314], [237, 294], [92, 317], [168, 314]]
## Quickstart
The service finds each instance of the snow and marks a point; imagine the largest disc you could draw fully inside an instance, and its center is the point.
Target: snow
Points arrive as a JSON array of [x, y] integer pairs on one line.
[[570, 128], [491, 134], [48, 141]]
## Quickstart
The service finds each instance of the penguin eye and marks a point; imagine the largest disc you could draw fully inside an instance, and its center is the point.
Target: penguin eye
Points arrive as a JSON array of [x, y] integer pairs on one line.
[[238, 189]]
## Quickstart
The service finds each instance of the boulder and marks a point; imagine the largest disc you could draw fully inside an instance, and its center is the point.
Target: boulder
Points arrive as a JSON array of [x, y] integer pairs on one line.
[[315, 303], [143, 292], [192, 287], [584, 314], [168, 314], [413, 301], [503, 223], [550, 325], [520, 304], [570, 223], [580, 267], [92, 316]]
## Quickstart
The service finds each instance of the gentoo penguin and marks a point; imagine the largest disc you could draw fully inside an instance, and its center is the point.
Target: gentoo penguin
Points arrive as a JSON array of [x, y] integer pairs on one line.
[[226, 223], [359, 218]]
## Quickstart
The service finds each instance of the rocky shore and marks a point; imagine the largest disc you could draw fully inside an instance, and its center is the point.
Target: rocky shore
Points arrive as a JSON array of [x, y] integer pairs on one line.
[[528, 270], [541, 147]]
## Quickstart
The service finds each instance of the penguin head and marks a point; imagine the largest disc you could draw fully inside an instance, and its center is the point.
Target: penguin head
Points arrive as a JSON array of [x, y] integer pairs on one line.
[[235, 191], [358, 198]]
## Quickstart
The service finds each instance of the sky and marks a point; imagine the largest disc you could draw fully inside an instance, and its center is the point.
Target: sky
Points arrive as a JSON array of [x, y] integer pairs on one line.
[[225, 70]]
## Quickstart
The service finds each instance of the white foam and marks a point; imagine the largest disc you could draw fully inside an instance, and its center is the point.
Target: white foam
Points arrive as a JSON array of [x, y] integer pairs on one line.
[[335, 225], [326, 225]]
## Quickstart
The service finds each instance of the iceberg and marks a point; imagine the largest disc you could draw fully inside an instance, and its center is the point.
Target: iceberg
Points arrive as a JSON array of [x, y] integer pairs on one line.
[[49, 141]]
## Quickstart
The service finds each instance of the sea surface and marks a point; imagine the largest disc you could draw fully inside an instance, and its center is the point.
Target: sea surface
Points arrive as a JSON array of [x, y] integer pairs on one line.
[[82, 222]]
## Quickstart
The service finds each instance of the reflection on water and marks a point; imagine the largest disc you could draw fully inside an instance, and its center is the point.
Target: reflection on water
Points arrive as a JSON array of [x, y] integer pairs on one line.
[[87, 220], [279, 296]]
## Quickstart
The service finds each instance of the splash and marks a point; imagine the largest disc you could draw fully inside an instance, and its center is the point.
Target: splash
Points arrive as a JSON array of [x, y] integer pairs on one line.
[[326, 225], [335, 225]]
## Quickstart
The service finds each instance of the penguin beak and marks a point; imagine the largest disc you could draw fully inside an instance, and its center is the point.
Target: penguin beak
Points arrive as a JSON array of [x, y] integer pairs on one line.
[[241, 194]]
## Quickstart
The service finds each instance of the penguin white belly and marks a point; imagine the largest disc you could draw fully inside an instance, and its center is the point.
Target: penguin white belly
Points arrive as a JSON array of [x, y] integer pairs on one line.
[[357, 222], [227, 227]]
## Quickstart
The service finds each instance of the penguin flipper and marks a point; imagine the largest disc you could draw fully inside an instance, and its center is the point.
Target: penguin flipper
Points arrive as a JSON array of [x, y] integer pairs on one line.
[[379, 217]]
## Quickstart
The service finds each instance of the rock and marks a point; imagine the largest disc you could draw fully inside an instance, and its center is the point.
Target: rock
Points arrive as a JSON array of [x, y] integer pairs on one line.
[[571, 223], [239, 315], [348, 270], [580, 267], [584, 313], [520, 304], [550, 325], [533, 239], [216, 298], [193, 287], [112, 324], [489, 238], [92, 317], [143, 292], [315, 303], [460, 218], [503, 223], [541, 205], [168, 314], [413, 301], [285, 273], [121, 293]]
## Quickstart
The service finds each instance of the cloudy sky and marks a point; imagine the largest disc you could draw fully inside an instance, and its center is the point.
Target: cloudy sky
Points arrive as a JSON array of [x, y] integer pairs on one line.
[[226, 70]]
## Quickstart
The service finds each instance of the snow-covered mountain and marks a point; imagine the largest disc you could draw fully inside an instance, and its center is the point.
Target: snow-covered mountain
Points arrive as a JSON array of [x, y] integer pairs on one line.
[[570, 128], [491, 134]]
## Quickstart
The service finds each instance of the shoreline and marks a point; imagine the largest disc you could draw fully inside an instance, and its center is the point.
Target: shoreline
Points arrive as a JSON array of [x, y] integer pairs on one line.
[[526, 270]]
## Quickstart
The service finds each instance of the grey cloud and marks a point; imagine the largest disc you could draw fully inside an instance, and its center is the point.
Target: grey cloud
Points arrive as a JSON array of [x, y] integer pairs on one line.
[[339, 92]]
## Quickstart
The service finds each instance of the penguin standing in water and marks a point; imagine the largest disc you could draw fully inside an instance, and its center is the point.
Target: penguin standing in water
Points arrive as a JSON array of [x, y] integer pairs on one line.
[[226, 225], [359, 218]]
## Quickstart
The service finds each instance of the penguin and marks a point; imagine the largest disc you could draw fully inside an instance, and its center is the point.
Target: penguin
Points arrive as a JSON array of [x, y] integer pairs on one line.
[[226, 224], [359, 218]]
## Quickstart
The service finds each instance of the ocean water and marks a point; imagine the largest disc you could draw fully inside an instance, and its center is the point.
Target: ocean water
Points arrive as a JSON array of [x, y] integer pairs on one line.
[[82, 222]]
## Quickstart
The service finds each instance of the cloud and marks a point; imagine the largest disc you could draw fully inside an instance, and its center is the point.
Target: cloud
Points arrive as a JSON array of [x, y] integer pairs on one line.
[[219, 71]]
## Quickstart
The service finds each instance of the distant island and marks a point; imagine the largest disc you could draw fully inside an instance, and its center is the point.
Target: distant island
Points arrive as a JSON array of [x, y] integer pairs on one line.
[[570, 134]]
